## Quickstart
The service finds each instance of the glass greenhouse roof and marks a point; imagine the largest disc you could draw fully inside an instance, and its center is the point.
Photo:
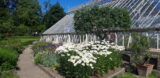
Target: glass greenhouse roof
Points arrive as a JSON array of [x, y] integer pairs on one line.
[[144, 13]]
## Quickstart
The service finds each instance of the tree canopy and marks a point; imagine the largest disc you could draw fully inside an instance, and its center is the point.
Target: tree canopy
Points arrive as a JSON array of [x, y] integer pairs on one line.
[[24, 17], [94, 20], [53, 15], [6, 21], [28, 13]]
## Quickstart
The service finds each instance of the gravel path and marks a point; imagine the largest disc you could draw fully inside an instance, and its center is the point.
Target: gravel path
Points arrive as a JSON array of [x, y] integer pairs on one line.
[[27, 68]]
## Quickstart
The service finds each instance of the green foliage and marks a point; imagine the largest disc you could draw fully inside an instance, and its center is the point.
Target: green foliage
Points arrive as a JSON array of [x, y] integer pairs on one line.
[[37, 47], [139, 46], [50, 60], [28, 16], [121, 18], [24, 17], [104, 64], [140, 43], [39, 44], [10, 49], [130, 75], [22, 30], [153, 75], [38, 58], [54, 14], [17, 43], [8, 58], [14, 44], [6, 26], [94, 62], [27, 12], [6, 66], [126, 75], [67, 69], [20, 17], [46, 59], [38, 28], [7, 3], [94, 20], [101, 67], [8, 74]]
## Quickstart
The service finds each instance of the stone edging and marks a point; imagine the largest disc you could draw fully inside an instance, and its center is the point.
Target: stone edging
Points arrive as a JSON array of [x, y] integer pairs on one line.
[[53, 74], [113, 73], [117, 73]]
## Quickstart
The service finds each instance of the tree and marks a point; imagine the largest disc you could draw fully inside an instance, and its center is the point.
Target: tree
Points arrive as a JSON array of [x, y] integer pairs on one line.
[[6, 19], [28, 13], [21, 30], [94, 20], [53, 15], [20, 17]]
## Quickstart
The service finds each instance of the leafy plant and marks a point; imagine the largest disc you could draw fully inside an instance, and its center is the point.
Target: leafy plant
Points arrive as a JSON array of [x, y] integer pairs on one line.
[[94, 20], [67, 69], [139, 46], [8, 58], [84, 60], [50, 60], [8, 74], [104, 64], [38, 58], [46, 59]]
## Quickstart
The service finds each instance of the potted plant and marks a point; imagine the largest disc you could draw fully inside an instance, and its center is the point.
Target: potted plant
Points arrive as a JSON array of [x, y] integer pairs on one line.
[[141, 56]]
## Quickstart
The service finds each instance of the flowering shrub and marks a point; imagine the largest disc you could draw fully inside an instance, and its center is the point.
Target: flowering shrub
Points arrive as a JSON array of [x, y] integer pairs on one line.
[[82, 60]]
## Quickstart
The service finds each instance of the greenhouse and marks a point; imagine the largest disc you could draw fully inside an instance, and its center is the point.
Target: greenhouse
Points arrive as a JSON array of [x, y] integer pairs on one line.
[[79, 38], [104, 39], [144, 14]]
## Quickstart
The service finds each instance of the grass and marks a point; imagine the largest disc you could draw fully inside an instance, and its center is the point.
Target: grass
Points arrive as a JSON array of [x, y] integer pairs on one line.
[[8, 74], [18, 41], [40, 44], [130, 75], [10, 48], [153, 75], [8, 58], [126, 75]]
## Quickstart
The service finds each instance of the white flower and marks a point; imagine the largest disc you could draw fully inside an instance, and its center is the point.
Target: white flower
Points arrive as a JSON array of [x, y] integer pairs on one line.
[[68, 54], [83, 64], [84, 55], [62, 55]]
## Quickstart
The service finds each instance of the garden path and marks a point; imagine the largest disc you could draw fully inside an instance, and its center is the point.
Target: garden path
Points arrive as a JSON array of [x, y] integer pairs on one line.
[[27, 68]]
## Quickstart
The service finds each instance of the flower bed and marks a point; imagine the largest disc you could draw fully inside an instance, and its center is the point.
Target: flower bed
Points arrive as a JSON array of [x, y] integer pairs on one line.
[[45, 47], [85, 60], [79, 60], [44, 54]]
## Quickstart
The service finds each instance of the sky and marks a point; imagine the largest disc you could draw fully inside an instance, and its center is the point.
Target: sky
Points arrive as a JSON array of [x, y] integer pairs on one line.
[[66, 4]]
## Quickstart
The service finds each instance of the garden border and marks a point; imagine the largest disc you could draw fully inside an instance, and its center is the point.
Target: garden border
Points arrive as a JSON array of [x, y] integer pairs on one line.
[[52, 74]]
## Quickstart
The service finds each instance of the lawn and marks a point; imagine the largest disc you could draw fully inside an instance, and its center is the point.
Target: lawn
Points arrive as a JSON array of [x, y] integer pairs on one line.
[[130, 75], [10, 48]]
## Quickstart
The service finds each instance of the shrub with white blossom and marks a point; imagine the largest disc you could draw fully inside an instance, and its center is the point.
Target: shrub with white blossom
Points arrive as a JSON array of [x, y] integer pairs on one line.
[[82, 60]]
